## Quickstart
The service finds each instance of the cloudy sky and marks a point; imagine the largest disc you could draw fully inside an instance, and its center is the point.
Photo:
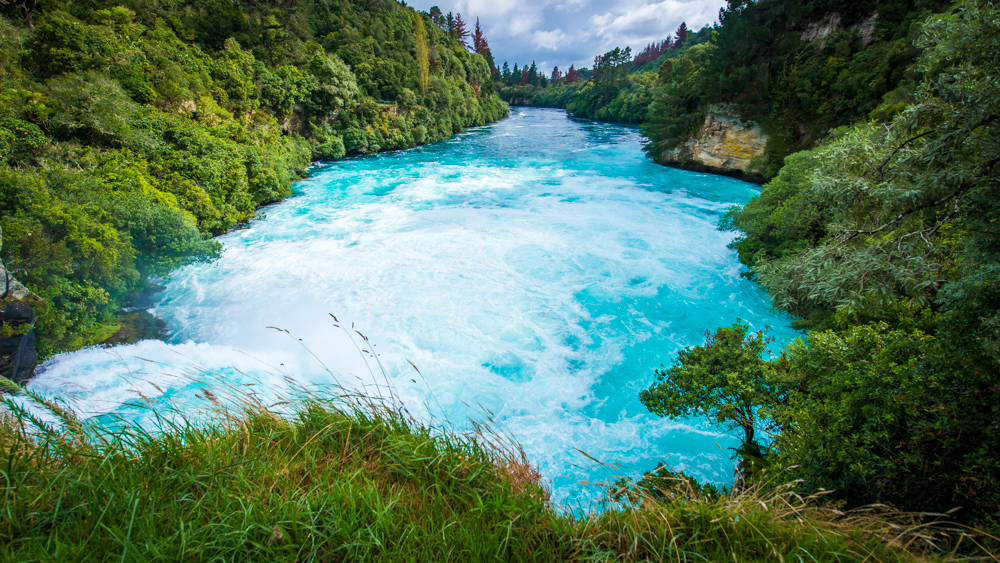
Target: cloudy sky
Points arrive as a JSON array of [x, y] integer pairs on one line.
[[564, 32]]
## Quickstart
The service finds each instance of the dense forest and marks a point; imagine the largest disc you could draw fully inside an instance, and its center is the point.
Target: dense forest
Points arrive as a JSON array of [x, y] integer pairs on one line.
[[881, 238], [132, 131]]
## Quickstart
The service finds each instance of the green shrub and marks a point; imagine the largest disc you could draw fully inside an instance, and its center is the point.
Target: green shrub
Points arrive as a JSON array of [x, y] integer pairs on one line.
[[330, 150]]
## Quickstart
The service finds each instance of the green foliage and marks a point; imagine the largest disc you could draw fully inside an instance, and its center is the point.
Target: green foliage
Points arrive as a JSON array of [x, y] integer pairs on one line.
[[20, 141], [726, 379], [330, 150], [129, 134], [93, 109], [885, 240], [625, 102], [885, 211], [334, 85], [618, 88], [784, 219], [761, 60], [679, 99], [895, 416], [663, 484]]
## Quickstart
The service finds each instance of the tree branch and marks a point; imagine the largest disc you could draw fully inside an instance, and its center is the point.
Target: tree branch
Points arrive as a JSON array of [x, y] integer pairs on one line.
[[878, 169]]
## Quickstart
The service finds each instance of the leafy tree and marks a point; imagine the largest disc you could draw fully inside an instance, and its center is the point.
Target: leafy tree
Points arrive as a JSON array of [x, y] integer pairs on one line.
[[887, 236], [797, 91], [436, 16], [129, 134], [27, 7], [726, 379], [901, 200], [423, 62], [679, 100]]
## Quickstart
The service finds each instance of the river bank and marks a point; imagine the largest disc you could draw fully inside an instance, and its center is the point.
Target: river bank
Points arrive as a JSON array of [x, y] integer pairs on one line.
[[538, 268]]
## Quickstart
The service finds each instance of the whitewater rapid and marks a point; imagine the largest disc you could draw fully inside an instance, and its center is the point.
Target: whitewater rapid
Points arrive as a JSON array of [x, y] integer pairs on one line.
[[534, 271]]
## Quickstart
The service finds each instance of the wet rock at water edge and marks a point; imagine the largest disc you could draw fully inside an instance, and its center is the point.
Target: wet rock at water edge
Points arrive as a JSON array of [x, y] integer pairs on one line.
[[17, 341]]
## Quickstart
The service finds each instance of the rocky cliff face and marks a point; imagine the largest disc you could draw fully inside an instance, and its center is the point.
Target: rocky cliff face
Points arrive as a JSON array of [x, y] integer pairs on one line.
[[817, 32], [723, 145], [17, 323]]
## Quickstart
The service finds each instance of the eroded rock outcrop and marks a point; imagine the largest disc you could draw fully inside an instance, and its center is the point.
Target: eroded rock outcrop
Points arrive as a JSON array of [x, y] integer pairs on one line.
[[724, 144], [817, 32], [17, 327]]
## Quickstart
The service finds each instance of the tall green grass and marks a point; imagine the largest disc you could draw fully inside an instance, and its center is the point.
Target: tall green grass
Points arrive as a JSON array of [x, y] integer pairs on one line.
[[356, 480]]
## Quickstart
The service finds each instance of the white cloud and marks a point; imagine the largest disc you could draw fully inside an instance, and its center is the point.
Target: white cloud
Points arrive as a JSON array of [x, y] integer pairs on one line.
[[521, 25], [550, 40], [575, 31]]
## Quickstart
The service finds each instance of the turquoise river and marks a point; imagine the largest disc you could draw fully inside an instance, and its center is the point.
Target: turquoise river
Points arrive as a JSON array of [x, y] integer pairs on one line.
[[534, 271]]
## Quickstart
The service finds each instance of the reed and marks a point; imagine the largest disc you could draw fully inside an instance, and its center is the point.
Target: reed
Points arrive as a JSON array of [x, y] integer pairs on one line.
[[348, 478]]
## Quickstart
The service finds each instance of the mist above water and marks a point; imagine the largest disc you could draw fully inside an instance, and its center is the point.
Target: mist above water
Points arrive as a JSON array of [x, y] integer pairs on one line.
[[536, 271]]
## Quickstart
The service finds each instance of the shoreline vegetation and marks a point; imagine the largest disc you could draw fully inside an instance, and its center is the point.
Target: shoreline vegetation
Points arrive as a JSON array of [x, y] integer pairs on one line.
[[331, 478]]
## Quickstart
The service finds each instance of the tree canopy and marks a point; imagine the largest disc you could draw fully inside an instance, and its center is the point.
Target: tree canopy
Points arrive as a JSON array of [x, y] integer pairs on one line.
[[130, 132]]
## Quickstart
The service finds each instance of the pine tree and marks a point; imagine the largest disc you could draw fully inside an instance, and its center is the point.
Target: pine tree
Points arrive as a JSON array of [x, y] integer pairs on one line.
[[436, 16], [681, 34], [479, 44], [572, 75], [482, 47], [460, 32]]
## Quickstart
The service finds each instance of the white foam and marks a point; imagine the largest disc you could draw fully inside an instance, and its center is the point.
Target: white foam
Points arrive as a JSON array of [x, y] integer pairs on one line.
[[540, 282]]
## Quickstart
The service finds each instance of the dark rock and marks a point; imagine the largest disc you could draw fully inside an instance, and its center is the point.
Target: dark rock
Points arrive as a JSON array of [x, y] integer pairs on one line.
[[695, 166], [17, 327], [136, 326], [17, 312], [17, 345], [27, 358]]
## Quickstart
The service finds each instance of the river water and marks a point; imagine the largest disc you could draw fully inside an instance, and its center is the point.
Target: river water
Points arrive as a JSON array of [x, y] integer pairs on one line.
[[534, 271]]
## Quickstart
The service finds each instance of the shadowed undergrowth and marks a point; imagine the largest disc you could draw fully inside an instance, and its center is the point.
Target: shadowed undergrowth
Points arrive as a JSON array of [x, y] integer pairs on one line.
[[355, 480]]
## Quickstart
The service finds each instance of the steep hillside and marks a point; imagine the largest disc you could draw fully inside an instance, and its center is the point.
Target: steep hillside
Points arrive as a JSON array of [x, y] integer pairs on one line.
[[795, 69], [130, 131]]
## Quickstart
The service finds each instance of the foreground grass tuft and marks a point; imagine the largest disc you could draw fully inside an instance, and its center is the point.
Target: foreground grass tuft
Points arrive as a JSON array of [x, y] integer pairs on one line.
[[343, 481]]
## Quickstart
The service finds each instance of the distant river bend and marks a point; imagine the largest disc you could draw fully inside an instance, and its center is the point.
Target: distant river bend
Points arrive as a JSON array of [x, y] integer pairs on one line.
[[535, 271]]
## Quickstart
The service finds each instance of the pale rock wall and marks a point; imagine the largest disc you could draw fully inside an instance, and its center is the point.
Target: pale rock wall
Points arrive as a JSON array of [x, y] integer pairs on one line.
[[724, 144], [817, 32]]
